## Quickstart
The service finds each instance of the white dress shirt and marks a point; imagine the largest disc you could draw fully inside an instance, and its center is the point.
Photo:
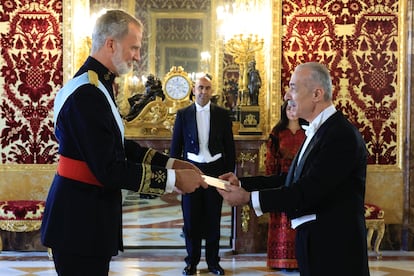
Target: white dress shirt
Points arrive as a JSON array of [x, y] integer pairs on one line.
[[203, 128]]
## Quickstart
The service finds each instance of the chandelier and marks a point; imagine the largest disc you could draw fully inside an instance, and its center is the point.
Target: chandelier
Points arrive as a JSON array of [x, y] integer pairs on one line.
[[244, 26], [244, 18]]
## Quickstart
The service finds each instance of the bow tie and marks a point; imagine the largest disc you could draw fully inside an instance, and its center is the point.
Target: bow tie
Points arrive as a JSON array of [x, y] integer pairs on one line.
[[309, 130]]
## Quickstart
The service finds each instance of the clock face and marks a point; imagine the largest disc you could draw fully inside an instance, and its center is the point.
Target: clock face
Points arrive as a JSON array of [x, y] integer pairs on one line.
[[177, 87]]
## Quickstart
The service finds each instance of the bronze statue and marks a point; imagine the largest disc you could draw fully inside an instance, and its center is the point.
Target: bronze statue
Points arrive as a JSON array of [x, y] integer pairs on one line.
[[254, 83], [153, 89]]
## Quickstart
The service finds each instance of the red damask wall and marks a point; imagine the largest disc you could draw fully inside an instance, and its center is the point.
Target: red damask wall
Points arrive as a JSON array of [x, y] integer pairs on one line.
[[358, 41], [31, 74]]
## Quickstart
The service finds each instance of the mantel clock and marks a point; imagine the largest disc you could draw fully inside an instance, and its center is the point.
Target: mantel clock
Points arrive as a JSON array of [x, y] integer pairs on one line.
[[177, 85]]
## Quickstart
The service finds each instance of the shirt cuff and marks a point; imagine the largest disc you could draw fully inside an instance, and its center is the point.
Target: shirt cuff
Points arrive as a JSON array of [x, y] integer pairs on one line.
[[256, 203], [170, 163], [169, 187]]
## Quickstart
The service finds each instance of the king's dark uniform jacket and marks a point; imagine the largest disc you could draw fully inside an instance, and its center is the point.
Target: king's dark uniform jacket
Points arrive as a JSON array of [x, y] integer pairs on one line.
[[329, 181], [85, 218]]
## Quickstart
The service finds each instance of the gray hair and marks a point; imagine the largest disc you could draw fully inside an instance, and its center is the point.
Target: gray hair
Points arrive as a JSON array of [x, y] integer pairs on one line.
[[113, 23], [319, 75]]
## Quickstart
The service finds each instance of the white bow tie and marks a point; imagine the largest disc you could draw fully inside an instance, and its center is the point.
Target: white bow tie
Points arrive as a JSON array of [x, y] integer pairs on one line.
[[309, 130]]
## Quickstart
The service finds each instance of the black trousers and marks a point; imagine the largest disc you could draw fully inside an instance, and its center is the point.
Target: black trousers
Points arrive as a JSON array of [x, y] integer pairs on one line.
[[69, 264], [202, 216], [319, 254]]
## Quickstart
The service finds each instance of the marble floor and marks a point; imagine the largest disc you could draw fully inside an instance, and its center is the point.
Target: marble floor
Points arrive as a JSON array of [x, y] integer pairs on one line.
[[159, 262], [157, 222], [152, 235]]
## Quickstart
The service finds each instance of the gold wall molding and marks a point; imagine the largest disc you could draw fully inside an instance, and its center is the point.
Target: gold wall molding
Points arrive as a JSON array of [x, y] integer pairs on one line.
[[385, 183], [274, 101], [20, 225], [245, 218]]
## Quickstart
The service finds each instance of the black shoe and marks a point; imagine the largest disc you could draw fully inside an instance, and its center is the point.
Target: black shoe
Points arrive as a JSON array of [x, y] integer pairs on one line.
[[216, 269], [190, 270]]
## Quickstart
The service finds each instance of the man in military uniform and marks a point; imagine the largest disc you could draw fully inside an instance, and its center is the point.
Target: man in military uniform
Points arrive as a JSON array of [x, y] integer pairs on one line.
[[82, 222]]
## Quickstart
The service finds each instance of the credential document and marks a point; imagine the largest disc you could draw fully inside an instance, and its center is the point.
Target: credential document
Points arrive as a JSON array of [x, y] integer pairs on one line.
[[216, 182]]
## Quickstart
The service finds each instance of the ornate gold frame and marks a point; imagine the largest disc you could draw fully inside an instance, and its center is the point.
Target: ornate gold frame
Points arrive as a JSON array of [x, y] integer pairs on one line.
[[273, 101], [155, 15]]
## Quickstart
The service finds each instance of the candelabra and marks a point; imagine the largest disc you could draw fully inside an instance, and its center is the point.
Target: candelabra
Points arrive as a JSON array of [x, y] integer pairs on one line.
[[243, 48], [244, 24]]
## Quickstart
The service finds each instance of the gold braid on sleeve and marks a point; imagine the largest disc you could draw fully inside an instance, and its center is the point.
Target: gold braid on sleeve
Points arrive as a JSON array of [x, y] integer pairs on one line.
[[152, 182], [149, 155]]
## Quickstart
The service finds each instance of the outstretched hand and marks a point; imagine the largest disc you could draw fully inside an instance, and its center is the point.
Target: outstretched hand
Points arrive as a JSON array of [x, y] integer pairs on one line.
[[230, 177], [234, 195], [188, 180]]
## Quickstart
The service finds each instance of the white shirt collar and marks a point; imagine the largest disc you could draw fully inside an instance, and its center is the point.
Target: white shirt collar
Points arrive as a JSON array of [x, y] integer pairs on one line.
[[201, 108], [319, 120]]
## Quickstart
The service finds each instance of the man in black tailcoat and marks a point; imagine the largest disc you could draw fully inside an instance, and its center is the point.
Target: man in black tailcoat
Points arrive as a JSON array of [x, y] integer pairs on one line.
[[324, 191]]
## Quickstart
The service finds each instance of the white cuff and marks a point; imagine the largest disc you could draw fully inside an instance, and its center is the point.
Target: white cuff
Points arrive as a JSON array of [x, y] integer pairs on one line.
[[256, 203], [301, 220], [169, 187], [170, 163]]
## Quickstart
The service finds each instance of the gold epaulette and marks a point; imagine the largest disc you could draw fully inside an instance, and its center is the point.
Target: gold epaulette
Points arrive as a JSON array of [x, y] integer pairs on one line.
[[93, 78]]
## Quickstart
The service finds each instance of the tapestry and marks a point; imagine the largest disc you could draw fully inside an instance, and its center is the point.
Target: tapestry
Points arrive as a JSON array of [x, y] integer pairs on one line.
[[31, 74], [358, 41]]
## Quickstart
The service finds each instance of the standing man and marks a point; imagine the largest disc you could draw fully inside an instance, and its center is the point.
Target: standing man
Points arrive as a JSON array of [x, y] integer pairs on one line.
[[203, 136], [325, 187], [82, 222]]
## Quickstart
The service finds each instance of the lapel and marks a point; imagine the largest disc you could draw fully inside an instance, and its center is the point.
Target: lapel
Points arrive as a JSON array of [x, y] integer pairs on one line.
[[299, 166], [296, 168], [212, 119], [292, 168], [191, 123]]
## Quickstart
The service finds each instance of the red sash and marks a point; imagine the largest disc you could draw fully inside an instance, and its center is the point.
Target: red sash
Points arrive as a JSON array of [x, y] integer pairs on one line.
[[76, 170]]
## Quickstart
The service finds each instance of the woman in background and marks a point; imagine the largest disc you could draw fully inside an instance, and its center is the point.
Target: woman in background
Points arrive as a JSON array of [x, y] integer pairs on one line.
[[284, 142]]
